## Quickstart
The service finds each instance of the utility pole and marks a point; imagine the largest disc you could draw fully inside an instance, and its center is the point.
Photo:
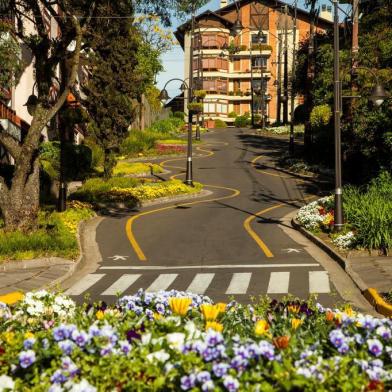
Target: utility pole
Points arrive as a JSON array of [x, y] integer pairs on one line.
[[354, 52], [293, 71], [198, 87], [337, 112], [279, 80], [286, 68]]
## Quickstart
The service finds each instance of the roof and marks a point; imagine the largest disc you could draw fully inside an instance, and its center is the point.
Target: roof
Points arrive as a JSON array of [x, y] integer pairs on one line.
[[181, 30]]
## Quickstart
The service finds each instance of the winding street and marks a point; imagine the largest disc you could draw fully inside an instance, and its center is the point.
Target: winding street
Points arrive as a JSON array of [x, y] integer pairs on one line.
[[234, 241]]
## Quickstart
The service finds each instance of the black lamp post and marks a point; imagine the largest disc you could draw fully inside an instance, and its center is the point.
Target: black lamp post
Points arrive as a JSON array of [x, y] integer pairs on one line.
[[164, 96], [378, 95]]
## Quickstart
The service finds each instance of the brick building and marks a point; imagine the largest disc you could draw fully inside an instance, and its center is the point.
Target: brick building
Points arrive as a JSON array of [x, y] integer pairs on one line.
[[228, 66]]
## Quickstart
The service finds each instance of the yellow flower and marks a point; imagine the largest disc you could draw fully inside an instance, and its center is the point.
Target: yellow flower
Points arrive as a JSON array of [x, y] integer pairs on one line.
[[295, 323], [29, 335], [214, 325], [210, 312], [180, 306], [9, 337], [100, 315], [261, 327], [293, 308], [349, 311], [157, 316], [222, 307]]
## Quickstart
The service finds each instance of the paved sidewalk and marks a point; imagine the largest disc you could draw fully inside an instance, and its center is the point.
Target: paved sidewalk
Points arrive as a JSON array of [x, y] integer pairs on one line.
[[26, 276], [375, 272]]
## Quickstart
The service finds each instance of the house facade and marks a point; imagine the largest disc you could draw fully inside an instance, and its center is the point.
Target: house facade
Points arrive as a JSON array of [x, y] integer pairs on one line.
[[247, 70]]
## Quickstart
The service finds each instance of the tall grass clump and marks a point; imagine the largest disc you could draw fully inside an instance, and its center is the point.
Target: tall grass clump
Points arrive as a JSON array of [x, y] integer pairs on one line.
[[169, 125], [140, 141], [368, 211]]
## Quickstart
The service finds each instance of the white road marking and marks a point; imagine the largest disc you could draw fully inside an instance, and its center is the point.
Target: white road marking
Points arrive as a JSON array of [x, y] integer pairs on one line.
[[162, 282], [319, 282], [292, 250], [118, 257], [200, 283], [239, 283], [84, 284], [219, 266], [278, 283], [121, 284]]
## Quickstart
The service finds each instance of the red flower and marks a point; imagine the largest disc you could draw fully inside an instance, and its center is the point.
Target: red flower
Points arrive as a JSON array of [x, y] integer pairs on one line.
[[375, 386], [2, 351]]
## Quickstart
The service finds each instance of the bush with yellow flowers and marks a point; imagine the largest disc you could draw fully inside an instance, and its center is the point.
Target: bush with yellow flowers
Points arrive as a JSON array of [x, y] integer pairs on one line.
[[173, 341], [119, 190], [55, 235]]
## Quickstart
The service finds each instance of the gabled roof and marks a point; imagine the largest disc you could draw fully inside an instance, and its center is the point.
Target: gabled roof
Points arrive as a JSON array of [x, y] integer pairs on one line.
[[181, 30], [220, 13]]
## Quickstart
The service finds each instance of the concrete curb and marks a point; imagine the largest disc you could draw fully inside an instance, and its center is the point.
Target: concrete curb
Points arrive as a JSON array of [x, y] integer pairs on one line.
[[370, 294], [344, 263], [378, 302]]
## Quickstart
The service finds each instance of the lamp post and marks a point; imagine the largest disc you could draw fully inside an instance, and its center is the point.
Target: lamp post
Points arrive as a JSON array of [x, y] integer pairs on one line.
[[378, 95], [164, 96]]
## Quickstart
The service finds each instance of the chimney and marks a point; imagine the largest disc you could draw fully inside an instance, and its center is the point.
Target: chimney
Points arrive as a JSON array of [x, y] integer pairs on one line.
[[326, 12], [223, 3]]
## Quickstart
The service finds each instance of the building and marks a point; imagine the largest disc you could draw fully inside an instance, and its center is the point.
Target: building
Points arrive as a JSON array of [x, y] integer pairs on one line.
[[246, 70]]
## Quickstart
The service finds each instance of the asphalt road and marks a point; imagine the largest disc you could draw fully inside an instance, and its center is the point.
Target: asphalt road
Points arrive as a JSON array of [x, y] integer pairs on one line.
[[233, 242]]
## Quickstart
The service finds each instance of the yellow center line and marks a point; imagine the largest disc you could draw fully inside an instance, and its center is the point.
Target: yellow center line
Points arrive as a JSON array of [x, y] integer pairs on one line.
[[128, 227]]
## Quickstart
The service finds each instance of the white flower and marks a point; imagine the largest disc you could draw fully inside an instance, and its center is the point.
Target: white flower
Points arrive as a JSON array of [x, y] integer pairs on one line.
[[161, 356], [192, 330], [176, 340], [146, 338], [345, 241], [82, 386], [6, 383]]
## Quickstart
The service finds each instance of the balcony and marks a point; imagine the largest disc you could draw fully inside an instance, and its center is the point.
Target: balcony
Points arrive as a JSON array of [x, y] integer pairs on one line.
[[12, 123]]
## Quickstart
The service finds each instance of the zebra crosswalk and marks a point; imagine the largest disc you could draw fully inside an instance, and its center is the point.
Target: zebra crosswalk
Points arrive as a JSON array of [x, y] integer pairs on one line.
[[237, 283]]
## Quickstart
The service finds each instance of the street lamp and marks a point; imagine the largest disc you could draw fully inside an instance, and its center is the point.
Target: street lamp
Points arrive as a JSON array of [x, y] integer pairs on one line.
[[164, 96], [378, 95]]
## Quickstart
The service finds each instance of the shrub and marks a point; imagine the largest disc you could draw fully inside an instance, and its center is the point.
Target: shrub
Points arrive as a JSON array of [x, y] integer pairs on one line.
[[232, 115], [129, 190], [140, 142], [97, 153], [180, 115], [369, 212], [168, 125], [173, 341], [220, 124], [78, 160], [135, 168], [55, 235], [241, 121], [320, 116]]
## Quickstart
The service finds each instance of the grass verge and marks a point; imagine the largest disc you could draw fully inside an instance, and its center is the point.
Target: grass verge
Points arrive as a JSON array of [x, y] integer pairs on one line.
[[135, 168], [54, 236]]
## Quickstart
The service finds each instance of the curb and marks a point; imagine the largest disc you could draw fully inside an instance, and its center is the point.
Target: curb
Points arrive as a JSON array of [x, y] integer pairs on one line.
[[370, 294], [378, 302], [344, 264]]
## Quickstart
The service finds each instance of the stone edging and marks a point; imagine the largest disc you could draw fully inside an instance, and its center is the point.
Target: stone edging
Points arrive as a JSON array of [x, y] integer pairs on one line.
[[369, 293]]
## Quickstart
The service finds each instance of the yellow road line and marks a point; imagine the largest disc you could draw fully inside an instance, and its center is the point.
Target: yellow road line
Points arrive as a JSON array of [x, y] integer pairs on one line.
[[254, 235], [128, 227]]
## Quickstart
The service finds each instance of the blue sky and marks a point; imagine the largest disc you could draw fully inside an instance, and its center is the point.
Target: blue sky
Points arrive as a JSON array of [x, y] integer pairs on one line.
[[173, 61]]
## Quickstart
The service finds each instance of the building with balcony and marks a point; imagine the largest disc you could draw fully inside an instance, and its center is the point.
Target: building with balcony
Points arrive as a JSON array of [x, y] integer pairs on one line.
[[245, 73]]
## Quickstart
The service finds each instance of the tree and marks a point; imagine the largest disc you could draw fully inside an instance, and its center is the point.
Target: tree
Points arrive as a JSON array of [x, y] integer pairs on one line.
[[19, 202], [114, 80]]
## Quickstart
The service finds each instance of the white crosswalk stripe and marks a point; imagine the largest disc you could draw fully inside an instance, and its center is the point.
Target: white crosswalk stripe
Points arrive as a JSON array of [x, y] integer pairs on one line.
[[319, 282], [84, 284], [201, 283], [239, 283], [279, 283], [121, 284], [162, 282]]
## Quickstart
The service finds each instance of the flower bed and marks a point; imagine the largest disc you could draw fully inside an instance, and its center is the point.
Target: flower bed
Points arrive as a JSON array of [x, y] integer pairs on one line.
[[136, 169], [54, 236], [130, 191], [174, 341], [170, 148]]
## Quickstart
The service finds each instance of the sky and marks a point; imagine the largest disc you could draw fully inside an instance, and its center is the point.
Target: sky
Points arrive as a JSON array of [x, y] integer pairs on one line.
[[173, 61]]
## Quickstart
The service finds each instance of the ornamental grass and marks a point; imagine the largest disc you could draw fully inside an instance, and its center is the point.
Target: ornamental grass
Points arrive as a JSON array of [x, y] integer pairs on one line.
[[48, 343]]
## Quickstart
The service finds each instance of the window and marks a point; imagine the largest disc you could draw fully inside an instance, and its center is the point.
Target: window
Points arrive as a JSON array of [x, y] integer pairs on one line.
[[215, 63], [209, 107], [259, 62], [215, 108], [214, 85], [259, 39], [221, 108], [211, 40]]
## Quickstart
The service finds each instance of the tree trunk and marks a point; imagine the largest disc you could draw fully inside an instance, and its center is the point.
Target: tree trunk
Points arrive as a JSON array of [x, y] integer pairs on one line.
[[108, 164], [21, 210]]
